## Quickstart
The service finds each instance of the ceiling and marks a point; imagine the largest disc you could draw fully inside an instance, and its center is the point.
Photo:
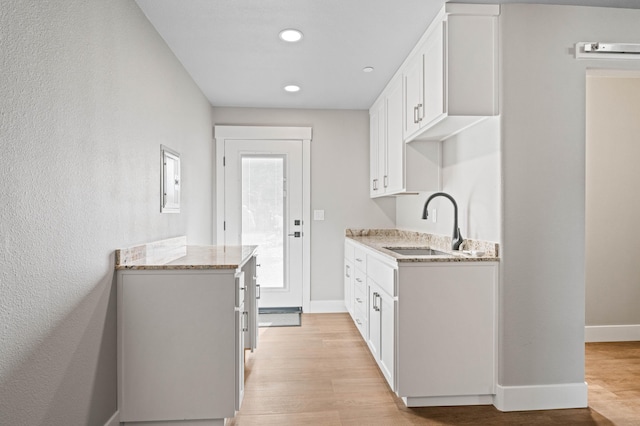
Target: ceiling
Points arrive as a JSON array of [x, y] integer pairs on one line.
[[232, 51]]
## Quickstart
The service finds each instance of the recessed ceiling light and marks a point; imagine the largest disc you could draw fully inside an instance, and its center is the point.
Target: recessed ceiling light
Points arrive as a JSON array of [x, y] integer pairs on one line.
[[367, 69], [292, 88], [290, 35]]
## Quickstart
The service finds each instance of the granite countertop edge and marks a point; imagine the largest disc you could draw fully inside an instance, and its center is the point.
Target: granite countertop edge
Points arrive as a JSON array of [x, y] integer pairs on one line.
[[379, 239], [187, 257]]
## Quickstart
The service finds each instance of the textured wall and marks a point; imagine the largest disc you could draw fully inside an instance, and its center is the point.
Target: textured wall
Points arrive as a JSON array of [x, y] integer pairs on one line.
[[543, 167], [89, 91], [612, 203], [339, 183]]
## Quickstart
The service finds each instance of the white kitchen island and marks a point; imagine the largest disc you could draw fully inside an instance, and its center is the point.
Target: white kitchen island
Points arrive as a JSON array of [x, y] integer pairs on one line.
[[185, 316]]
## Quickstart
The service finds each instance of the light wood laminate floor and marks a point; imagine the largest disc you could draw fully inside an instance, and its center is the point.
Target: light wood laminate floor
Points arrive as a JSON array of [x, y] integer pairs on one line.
[[323, 374]]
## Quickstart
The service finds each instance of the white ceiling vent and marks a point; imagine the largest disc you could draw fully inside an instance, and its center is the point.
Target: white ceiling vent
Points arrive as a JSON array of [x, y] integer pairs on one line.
[[598, 50]]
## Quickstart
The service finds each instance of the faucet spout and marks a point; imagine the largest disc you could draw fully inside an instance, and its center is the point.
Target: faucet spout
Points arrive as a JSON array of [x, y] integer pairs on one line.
[[456, 239]]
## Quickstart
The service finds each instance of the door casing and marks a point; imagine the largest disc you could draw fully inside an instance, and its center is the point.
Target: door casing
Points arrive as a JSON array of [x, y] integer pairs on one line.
[[302, 134]]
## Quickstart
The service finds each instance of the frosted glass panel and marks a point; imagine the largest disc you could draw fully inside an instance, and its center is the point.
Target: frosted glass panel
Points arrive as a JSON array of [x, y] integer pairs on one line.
[[263, 215]]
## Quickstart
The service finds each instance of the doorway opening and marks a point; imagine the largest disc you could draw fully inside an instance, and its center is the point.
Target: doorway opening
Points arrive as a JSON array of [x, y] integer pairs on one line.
[[262, 194], [611, 204]]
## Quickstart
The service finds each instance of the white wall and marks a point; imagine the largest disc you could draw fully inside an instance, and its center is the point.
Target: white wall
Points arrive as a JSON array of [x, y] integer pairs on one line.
[[339, 183], [471, 175], [543, 166], [89, 92], [612, 200]]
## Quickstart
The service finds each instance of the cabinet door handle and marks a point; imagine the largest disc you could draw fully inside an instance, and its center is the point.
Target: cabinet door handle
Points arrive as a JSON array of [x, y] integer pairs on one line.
[[258, 291], [415, 114], [358, 300], [347, 271], [375, 184], [376, 298], [386, 181], [245, 321], [358, 321], [420, 115]]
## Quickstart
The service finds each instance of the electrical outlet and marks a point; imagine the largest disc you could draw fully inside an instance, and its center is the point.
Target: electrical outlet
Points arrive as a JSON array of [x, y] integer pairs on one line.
[[318, 215]]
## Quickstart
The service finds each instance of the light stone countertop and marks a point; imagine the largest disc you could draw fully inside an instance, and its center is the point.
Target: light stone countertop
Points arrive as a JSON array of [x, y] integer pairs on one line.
[[174, 254], [378, 239]]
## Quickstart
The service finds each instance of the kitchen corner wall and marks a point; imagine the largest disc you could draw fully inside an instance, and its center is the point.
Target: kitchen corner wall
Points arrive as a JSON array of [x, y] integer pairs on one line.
[[339, 183], [89, 92], [471, 174], [543, 165]]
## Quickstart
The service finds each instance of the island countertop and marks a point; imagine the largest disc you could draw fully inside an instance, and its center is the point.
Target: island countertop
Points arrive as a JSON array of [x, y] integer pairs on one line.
[[175, 254]]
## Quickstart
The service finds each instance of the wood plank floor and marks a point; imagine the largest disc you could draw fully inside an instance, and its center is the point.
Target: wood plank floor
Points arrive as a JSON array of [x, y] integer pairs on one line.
[[323, 374]]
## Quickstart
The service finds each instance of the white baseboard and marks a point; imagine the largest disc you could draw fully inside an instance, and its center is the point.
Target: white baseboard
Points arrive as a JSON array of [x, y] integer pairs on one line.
[[447, 401], [612, 333], [326, 306], [544, 397], [114, 420]]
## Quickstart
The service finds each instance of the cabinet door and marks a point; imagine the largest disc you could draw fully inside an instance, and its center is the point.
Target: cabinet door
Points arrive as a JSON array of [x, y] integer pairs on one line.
[[348, 286], [434, 84], [374, 321], [387, 337], [382, 148], [374, 173], [412, 81], [395, 181], [240, 320], [251, 304]]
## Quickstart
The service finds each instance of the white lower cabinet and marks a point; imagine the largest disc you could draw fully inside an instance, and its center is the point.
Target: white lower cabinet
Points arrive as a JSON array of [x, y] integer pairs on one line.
[[431, 327], [181, 343]]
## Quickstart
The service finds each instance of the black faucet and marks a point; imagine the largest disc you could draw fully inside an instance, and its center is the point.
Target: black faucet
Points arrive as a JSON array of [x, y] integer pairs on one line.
[[456, 239]]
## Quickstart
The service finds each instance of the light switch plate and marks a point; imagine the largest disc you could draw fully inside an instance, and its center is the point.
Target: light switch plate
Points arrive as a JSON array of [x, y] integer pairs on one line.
[[318, 215]]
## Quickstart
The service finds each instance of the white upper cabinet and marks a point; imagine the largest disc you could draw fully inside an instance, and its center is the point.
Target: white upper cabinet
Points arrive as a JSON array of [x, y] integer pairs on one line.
[[396, 168], [450, 79], [448, 83]]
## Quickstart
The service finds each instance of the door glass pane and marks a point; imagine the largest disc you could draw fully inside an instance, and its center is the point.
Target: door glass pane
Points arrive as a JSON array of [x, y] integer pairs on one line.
[[263, 215]]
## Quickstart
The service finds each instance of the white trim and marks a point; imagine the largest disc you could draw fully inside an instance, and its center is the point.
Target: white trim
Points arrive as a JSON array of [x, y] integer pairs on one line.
[[447, 401], [612, 333], [326, 306], [262, 132], [542, 397], [303, 134], [114, 420], [306, 223]]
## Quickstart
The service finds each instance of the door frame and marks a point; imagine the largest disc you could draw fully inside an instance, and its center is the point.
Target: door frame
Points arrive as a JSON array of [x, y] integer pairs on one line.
[[302, 134]]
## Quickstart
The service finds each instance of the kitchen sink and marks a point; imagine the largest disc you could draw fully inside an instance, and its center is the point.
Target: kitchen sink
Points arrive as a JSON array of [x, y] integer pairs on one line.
[[417, 251]]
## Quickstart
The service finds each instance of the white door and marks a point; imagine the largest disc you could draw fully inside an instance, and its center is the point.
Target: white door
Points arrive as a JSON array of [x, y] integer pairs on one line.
[[264, 207]]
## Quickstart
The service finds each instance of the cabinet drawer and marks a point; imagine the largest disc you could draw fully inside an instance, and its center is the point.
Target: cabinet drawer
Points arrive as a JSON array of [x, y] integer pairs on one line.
[[239, 288], [360, 297], [359, 279], [360, 259], [348, 250], [360, 319], [382, 274]]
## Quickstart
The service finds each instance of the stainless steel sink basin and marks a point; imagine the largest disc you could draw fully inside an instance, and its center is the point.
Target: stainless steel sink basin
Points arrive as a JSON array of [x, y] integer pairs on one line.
[[420, 251]]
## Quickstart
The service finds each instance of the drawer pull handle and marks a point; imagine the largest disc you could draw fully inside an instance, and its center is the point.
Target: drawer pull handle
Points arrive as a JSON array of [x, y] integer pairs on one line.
[[358, 321], [245, 321], [359, 280], [358, 300]]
